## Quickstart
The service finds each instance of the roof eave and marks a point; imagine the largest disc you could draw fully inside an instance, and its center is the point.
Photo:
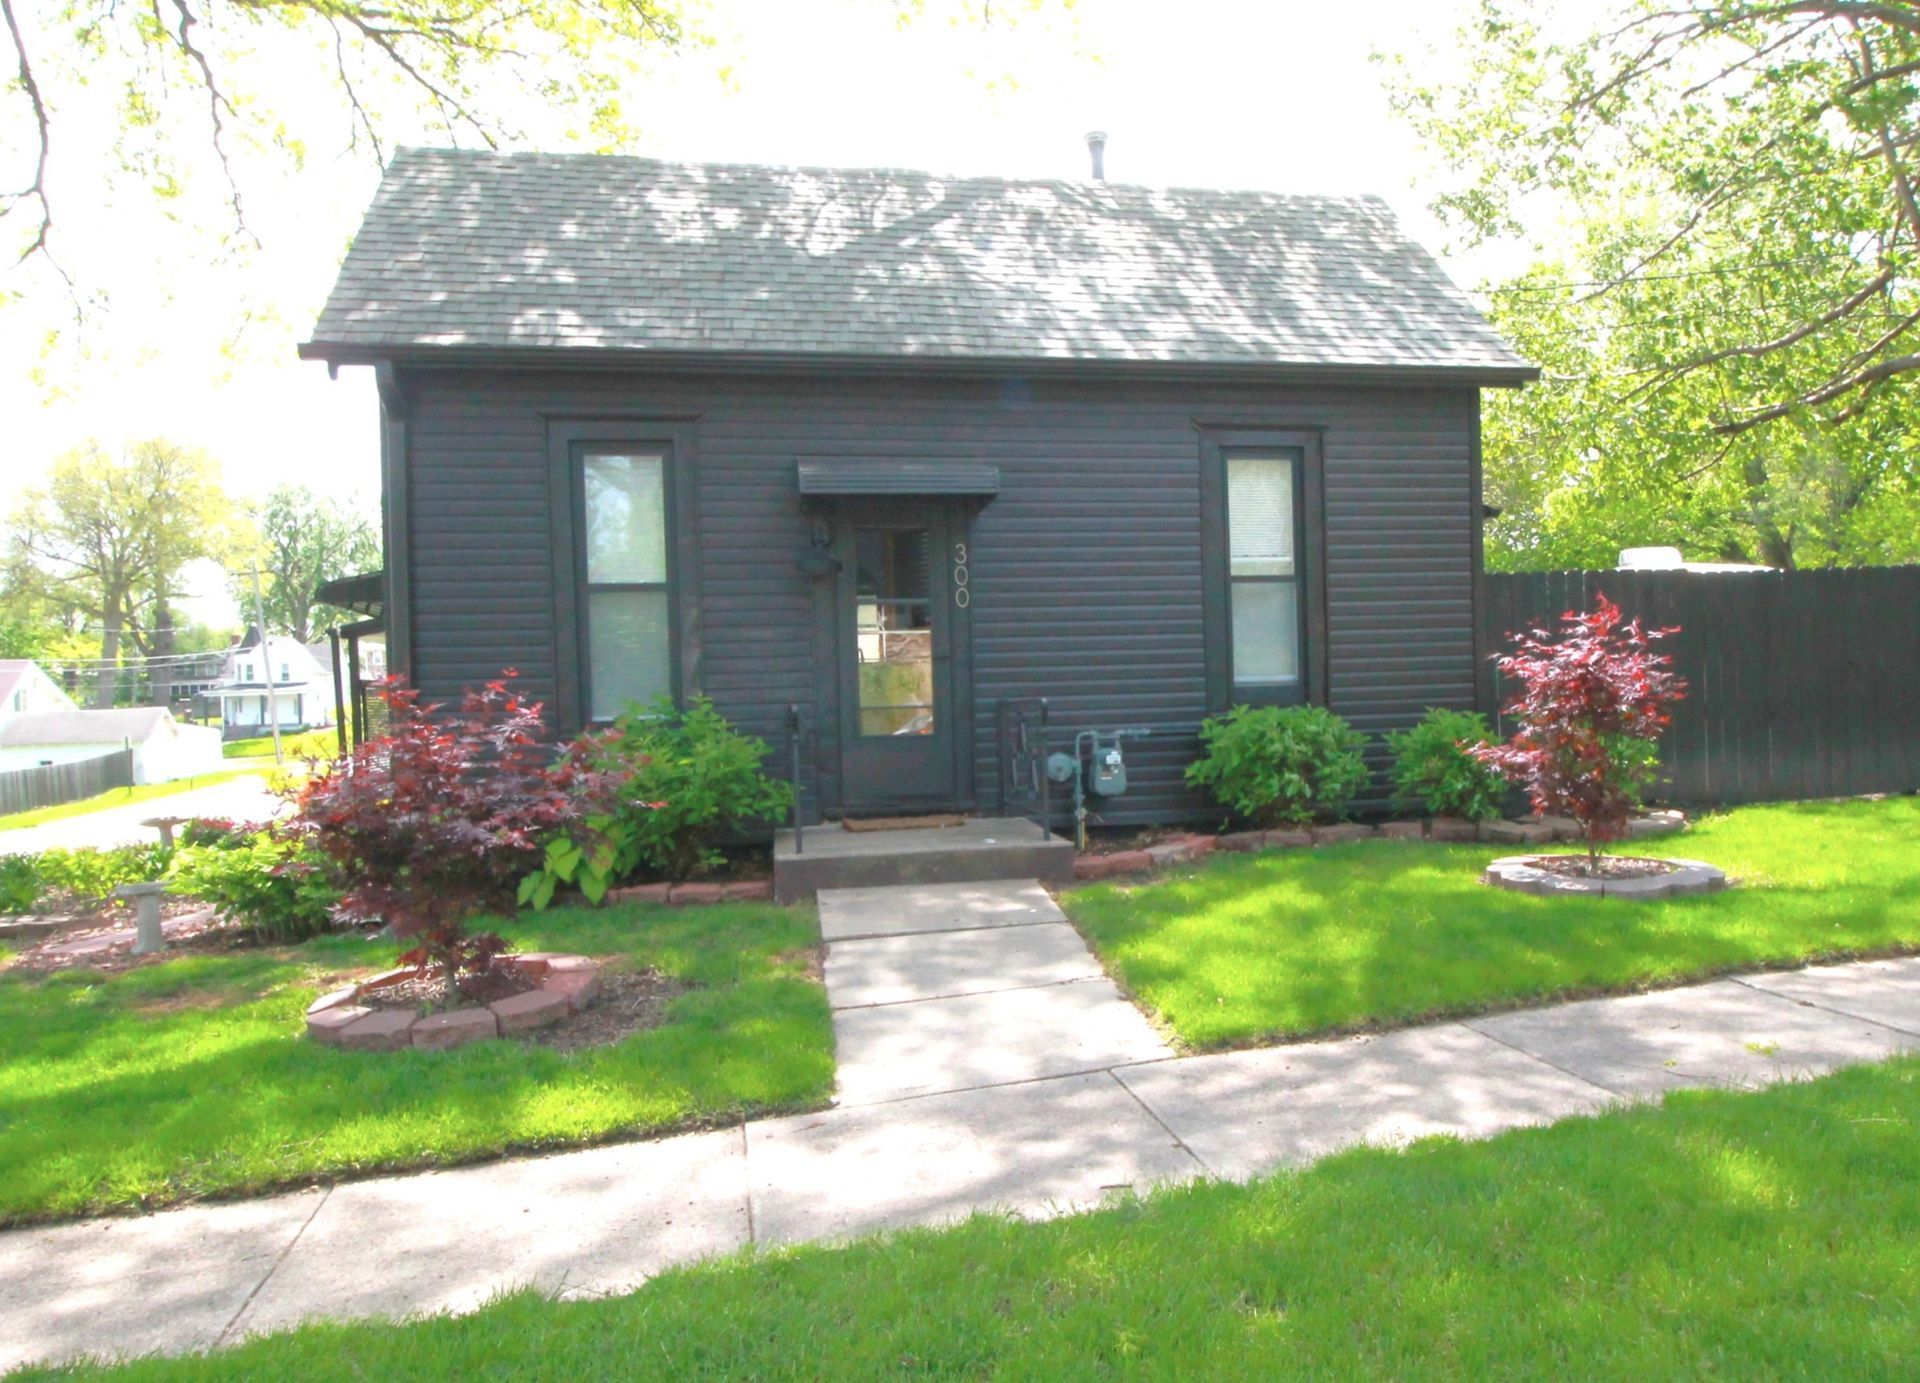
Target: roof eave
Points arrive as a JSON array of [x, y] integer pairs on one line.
[[338, 353]]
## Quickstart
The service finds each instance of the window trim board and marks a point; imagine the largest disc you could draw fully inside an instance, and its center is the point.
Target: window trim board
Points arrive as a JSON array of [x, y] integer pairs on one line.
[[1310, 567]]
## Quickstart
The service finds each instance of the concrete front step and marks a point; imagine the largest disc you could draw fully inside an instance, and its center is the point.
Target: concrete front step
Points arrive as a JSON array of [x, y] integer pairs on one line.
[[978, 850]]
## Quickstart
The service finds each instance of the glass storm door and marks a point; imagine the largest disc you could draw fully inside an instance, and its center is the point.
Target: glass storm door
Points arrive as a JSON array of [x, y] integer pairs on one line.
[[896, 711]]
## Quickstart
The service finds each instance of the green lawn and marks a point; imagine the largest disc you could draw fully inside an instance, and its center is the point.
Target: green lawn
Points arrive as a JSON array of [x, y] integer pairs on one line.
[[1747, 1235], [192, 1077], [1249, 949], [121, 797], [304, 744]]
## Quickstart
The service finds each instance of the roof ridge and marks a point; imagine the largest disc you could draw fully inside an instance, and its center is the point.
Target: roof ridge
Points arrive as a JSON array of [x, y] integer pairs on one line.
[[885, 170]]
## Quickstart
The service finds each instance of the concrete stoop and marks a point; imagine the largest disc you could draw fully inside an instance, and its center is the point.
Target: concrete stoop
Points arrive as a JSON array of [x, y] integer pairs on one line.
[[976, 851]]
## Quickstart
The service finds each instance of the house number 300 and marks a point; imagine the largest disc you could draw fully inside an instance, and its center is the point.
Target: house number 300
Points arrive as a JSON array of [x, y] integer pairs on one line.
[[962, 597]]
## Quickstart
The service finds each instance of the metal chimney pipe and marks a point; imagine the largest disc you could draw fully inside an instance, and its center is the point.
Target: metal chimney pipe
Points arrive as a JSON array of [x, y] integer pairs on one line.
[[1097, 145]]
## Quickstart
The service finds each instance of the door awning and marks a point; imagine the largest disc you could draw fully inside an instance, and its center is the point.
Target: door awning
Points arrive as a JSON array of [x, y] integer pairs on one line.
[[867, 477]]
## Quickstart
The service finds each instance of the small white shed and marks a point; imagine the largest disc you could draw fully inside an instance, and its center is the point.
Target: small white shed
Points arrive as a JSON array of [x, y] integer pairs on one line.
[[163, 749]]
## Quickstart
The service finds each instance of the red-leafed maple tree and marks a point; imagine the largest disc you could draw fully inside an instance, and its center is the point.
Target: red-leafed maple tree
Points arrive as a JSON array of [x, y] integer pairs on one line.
[[1593, 702], [436, 821]]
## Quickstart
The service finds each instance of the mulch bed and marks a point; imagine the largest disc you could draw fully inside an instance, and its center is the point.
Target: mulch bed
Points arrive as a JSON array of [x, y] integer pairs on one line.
[[428, 993], [209, 933], [1611, 867], [629, 1001]]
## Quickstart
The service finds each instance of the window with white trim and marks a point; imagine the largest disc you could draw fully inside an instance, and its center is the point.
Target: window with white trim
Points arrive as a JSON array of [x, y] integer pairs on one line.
[[627, 622], [1263, 567]]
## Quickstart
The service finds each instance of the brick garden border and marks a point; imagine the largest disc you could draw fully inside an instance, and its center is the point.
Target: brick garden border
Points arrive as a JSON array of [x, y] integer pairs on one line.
[[745, 891], [1441, 830], [563, 985]]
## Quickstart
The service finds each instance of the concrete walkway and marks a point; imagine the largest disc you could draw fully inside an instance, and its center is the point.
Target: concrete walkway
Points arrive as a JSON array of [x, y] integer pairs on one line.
[[1051, 1141], [241, 798]]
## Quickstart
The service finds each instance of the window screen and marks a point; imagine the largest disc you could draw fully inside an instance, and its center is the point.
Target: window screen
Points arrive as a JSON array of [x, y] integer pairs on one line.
[[628, 621], [1263, 579]]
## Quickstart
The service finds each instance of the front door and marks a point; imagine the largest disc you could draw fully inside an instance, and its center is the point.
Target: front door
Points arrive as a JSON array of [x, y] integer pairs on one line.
[[894, 646]]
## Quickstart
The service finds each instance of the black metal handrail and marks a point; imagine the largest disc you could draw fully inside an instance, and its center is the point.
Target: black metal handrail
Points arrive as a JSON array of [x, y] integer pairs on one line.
[[1022, 732], [799, 814]]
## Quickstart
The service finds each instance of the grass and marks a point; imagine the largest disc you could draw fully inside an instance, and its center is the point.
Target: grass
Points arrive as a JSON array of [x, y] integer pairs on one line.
[[122, 797], [305, 744], [1773, 1234], [1249, 949], [191, 1078]]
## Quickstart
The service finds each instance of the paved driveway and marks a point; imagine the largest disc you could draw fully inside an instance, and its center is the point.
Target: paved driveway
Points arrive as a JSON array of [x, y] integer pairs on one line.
[[244, 798]]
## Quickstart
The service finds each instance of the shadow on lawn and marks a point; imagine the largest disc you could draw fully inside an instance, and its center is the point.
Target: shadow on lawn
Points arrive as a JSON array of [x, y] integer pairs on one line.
[[1249, 949]]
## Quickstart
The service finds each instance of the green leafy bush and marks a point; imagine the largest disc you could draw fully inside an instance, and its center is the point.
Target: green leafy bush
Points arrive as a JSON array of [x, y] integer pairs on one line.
[[274, 882], [684, 778], [90, 876], [20, 883], [1434, 773], [1275, 765]]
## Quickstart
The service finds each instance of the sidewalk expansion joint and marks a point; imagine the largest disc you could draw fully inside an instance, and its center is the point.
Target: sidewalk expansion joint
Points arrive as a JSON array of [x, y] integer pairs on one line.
[[1827, 1008], [746, 1185], [970, 993], [945, 931], [272, 1268], [1074, 1074], [1621, 1095], [1165, 1127]]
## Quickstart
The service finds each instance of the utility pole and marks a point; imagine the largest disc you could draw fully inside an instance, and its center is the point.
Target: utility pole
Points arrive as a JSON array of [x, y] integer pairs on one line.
[[266, 656]]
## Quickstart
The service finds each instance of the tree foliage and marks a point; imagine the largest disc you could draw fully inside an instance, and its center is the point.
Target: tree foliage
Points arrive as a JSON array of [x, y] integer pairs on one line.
[[438, 820], [1727, 312], [1593, 701], [303, 539], [108, 536], [192, 75]]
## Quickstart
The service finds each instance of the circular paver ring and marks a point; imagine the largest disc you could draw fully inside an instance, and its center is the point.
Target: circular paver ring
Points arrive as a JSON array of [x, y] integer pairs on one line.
[[1522, 874], [562, 985]]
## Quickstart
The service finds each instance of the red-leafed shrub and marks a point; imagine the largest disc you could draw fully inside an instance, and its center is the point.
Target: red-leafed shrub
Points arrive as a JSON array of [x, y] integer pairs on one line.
[[437, 820], [1592, 703]]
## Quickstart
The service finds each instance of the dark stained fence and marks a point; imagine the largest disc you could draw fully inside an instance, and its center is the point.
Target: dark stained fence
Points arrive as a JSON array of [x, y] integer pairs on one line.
[[1802, 684], [48, 785]]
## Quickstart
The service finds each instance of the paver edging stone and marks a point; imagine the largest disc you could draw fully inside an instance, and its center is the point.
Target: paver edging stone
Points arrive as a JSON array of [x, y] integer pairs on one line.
[[1522, 874], [562, 985]]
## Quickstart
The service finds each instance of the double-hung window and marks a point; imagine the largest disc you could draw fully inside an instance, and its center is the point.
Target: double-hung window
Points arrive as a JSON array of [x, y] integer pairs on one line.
[[626, 606], [1262, 562], [1263, 566]]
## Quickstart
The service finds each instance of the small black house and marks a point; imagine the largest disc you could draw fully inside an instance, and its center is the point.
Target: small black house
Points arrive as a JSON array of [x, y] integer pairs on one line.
[[898, 449]]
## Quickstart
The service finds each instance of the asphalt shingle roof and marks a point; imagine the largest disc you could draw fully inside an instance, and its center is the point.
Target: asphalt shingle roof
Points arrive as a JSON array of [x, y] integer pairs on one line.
[[135, 723], [581, 251]]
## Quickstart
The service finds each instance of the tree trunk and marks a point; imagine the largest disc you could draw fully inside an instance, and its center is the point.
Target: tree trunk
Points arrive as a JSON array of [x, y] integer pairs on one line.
[[106, 681], [160, 670]]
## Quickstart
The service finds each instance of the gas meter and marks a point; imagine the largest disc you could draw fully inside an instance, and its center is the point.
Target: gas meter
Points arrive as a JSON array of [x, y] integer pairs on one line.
[[1097, 765]]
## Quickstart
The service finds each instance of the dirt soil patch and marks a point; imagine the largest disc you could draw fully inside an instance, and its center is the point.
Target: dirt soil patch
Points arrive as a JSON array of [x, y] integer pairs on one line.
[[1611, 867], [629, 1001]]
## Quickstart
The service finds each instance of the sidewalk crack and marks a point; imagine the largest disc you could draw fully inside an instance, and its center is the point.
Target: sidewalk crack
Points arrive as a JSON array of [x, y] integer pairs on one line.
[[746, 1185], [267, 1277]]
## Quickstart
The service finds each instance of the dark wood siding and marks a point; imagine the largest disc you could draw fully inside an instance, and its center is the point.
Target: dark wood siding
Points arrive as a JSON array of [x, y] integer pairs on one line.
[[1086, 574]]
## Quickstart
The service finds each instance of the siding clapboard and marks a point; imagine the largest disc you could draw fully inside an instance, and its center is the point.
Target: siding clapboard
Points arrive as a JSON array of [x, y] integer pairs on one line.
[[1086, 578]]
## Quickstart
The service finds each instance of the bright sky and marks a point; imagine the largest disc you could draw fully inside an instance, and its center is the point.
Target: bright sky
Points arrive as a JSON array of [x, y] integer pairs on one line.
[[1278, 95]]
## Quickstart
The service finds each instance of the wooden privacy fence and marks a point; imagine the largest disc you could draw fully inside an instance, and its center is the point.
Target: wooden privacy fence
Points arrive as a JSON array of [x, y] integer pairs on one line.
[[1801, 684], [23, 789]]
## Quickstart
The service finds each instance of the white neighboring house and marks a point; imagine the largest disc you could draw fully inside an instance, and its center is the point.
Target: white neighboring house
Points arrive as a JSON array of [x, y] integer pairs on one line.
[[282, 675], [25, 686], [163, 749]]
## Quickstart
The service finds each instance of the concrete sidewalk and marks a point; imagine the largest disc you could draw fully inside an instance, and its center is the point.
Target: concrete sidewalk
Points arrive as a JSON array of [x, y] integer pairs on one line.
[[604, 1219]]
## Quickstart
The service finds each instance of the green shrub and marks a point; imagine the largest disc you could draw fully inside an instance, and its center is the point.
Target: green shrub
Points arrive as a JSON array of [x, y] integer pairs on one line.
[[90, 876], [686, 777], [273, 882], [1434, 773], [20, 883], [1275, 765]]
